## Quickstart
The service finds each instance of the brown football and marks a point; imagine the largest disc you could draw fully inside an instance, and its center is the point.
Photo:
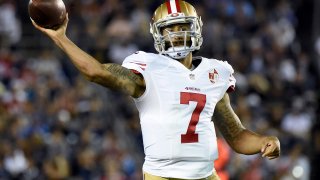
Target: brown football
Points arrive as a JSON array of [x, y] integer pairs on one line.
[[49, 14]]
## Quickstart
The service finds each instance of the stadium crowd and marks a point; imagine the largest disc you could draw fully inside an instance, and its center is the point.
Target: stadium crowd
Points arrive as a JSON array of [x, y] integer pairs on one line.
[[54, 124]]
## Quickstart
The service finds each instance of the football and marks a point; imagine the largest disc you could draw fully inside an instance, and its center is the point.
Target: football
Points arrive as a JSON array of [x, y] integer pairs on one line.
[[49, 14]]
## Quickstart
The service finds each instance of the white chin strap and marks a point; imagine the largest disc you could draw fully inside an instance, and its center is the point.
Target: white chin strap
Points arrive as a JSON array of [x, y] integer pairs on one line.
[[178, 52]]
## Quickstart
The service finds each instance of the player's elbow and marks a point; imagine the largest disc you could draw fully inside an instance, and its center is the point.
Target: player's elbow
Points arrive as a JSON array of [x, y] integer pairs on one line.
[[92, 74], [89, 77], [92, 77]]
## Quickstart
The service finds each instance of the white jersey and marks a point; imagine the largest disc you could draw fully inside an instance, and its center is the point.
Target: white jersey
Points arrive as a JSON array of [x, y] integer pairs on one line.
[[175, 113]]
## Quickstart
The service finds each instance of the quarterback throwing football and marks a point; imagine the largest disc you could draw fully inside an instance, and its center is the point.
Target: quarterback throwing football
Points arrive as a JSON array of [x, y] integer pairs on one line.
[[176, 95]]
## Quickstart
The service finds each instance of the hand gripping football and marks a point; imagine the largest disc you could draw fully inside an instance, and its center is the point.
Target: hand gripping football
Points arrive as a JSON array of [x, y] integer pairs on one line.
[[49, 14]]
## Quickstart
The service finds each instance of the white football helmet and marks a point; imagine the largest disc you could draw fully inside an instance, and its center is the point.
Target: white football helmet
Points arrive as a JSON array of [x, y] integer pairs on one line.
[[176, 12]]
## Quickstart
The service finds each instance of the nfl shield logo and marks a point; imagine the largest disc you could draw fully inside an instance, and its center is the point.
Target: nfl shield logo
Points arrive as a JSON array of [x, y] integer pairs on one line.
[[213, 76], [192, 76]]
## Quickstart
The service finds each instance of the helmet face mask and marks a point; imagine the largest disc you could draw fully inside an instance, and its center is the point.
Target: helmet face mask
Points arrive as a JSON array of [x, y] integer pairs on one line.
[[192, 38]]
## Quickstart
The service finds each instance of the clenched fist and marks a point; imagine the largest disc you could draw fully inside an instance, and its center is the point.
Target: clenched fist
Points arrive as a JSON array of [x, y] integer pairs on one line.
[[270, 147]]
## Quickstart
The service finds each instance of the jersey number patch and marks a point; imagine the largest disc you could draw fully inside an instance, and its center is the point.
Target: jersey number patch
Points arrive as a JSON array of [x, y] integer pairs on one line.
[[185, 97]]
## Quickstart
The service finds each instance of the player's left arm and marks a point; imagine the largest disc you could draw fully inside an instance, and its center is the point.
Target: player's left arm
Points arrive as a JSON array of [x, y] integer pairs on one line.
[[238, 137]]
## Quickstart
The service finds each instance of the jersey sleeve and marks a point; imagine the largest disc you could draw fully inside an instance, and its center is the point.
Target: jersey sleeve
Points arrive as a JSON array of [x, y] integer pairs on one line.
[[136, 62], [231, 80]]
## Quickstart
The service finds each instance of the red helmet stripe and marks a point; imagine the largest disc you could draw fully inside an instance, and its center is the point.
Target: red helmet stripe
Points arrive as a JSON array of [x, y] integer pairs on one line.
[[173, 6], [168, 7], [178, 5]]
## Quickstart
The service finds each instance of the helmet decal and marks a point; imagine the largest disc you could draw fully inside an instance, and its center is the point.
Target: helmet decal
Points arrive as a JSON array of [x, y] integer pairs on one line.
[[173, 6]]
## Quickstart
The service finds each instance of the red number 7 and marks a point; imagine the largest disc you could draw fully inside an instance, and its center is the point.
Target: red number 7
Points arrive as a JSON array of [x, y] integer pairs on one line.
[[191, 136]]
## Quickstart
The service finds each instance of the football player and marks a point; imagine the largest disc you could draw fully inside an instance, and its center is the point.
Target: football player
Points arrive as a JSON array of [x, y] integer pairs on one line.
[[176, 95]]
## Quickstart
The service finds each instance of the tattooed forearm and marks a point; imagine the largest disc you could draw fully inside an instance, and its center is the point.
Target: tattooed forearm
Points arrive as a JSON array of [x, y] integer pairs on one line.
[[119, 78], [240, 139], [227, 121]]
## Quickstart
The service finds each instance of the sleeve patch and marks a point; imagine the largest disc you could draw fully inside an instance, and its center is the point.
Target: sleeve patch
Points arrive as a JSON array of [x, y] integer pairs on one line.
[[141, 65], [135, 71]]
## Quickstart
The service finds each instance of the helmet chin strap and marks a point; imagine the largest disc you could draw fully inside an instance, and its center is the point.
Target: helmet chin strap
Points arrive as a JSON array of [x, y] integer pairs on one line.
[[178, 52]]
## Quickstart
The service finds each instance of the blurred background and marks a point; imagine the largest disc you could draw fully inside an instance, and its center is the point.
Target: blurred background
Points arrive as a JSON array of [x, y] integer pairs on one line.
[[56, 125]]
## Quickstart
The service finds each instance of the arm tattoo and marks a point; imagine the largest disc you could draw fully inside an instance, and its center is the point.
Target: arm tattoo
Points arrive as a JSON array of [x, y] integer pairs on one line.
[[122, 73], [122, 79], [227, 121]]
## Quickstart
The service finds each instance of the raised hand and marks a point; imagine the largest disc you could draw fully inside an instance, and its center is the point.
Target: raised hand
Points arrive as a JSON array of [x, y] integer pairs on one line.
[[54, 34]]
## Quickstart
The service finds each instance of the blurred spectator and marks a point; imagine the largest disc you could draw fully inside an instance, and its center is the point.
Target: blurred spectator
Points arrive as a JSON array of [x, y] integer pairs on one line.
[[120, 32], [10, 26], [57, 168], [297, 122], [14, 161], [295, 165]]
